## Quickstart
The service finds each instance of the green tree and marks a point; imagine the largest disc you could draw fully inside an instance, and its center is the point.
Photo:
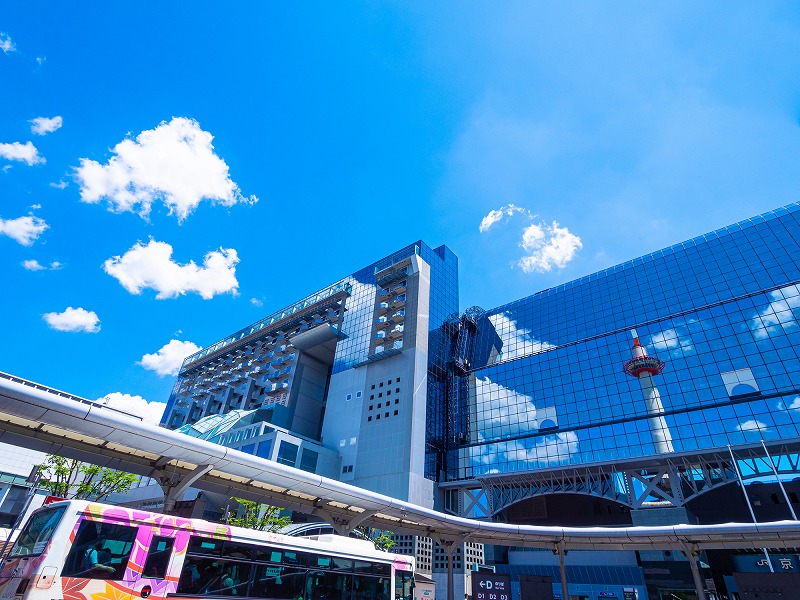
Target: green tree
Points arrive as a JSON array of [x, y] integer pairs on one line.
[[380, 537], [69, 478], [253, 515]]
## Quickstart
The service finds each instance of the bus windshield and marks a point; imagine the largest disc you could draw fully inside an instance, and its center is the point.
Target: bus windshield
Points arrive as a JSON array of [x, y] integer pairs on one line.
[[37, 533]]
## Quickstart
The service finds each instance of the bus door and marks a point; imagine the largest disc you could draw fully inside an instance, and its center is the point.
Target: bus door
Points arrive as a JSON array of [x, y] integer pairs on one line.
[[157, 576]]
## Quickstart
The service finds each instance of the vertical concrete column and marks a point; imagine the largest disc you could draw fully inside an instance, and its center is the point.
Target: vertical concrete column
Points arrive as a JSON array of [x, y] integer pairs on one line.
[[450, 584], [562, 552], [693, 554]]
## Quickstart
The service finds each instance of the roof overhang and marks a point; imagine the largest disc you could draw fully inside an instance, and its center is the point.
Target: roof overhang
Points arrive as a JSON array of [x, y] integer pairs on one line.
[[43, 419]]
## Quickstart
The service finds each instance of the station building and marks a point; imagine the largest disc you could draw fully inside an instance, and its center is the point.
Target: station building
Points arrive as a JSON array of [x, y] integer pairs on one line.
[[649, 392]]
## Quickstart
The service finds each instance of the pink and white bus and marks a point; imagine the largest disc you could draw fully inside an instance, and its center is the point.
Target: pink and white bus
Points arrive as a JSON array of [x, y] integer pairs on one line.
[[78, 550]]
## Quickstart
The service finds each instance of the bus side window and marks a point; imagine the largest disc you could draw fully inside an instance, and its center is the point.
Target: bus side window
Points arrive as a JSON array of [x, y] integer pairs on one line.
[[155, 567], [112, 546]]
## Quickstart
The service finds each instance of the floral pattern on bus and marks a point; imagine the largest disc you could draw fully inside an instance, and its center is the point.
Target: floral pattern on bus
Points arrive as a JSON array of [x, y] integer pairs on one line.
[[159, 525]]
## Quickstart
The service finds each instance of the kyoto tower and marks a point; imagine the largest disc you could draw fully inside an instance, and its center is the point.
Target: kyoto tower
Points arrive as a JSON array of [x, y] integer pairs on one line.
[[644, 367]]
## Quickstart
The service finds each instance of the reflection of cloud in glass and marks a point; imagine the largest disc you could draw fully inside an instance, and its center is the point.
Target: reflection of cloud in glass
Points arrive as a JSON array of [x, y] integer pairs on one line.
[[671, 340], [778, 313], [503, 412], [517, 342], [795, 405], [751, 426], [547, 450]]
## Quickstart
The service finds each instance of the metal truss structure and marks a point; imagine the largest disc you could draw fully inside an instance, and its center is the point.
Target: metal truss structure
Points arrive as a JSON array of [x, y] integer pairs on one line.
[[673, 479]]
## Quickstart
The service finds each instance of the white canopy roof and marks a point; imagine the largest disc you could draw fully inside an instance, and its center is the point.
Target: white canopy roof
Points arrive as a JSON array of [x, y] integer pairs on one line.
[[44, 419]]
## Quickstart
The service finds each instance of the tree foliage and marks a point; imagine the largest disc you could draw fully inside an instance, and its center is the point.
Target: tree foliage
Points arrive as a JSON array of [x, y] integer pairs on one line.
[[253, 515], [380, 537], [69, 478]]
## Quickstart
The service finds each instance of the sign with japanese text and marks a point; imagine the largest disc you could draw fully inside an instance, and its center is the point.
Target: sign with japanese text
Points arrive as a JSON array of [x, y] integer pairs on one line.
[[491, 586]]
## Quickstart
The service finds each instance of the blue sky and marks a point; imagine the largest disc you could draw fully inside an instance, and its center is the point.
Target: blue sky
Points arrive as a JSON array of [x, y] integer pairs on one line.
[[597, 132]]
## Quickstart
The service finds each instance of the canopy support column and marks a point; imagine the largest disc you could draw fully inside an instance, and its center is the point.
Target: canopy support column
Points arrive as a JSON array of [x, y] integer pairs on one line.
[[693, 554], [449, 546], [561, 550], [172, 488]]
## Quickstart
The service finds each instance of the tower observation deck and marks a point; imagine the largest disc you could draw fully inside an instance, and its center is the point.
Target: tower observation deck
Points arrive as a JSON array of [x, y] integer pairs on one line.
[[644, 368]]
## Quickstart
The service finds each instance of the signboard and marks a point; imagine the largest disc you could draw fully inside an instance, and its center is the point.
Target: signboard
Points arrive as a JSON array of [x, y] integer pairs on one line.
[[491, 586], [535, 587]]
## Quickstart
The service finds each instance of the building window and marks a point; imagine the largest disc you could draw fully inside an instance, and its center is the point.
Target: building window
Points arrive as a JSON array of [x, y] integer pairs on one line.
[[349, 397], [397, 380], [369, 418], [308, 460], [397, 401], [395, 413], [287, 453], [358, 394]]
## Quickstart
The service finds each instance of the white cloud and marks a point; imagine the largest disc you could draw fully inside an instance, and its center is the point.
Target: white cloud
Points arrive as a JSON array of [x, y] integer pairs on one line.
[[778, 316], [548, 246], [43, 125], [6, 45], [550, 449], [751, 425], [495, 216], [26, 153], [60, 185], [35, 265], [256, 302], [73, 319], [151, 266], [151, 412], [517, 342], [670, 340], [510, 413], [41, 59], [169, 358], [506, 412], [556, 448], [174, 163], [795, 405], [25, 230]]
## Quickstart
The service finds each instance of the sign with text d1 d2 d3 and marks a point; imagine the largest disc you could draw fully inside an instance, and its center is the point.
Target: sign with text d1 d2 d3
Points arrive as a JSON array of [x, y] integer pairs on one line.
[[491, 586]]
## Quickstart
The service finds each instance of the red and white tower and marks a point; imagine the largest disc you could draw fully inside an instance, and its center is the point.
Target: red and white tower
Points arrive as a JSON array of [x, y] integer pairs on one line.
[[644, 368]]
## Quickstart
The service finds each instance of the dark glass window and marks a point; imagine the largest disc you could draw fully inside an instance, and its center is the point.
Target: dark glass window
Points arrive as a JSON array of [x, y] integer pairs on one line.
[[158, 557], [279, 583], [37, 532], [100, 551]]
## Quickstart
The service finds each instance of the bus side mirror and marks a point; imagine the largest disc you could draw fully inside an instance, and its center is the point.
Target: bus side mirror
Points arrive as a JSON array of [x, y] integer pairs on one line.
[[146, 590]]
